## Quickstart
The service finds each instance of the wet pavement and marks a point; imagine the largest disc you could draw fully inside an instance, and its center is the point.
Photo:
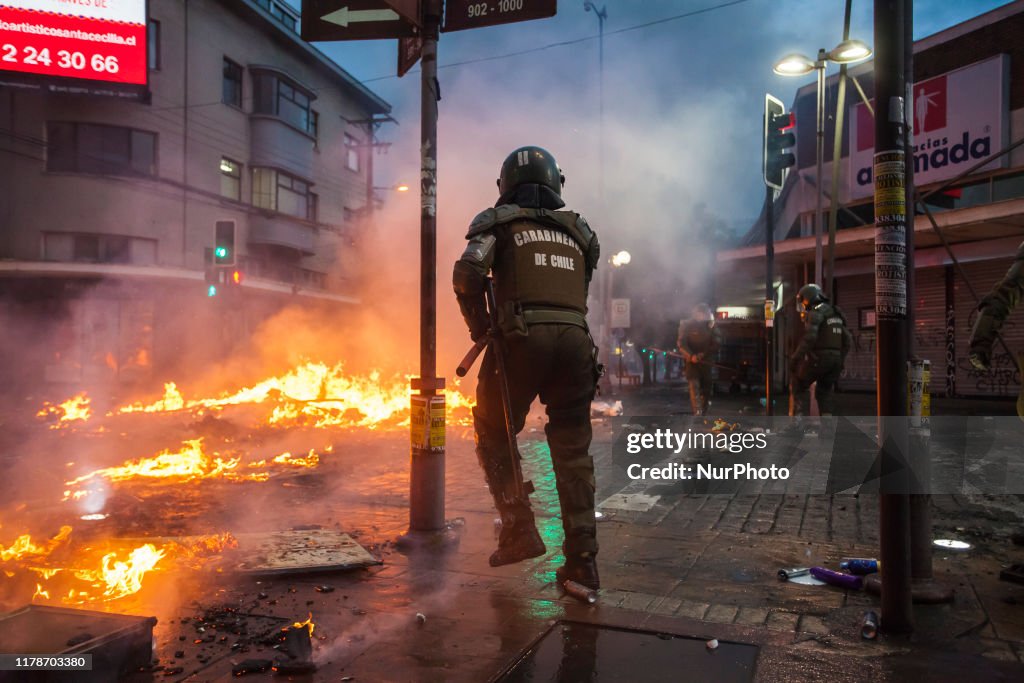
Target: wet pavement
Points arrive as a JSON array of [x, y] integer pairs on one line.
[[685, 567]]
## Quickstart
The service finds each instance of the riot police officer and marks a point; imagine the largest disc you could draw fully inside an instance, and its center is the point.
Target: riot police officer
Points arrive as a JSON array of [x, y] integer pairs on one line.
[[993, 310], [821, 353], [699, 340], [542, 261]]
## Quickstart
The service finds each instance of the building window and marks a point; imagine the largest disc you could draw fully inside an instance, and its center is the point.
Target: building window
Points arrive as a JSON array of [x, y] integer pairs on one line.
[[87, 248], [102, 149], [286, 18], [277, 96], [278, 191], [232, 89], [230, 179], [351, 153], [153, 45]]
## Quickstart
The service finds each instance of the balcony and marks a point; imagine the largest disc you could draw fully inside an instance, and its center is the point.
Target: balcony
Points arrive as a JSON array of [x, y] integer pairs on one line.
[[278, 231], [279, 145]]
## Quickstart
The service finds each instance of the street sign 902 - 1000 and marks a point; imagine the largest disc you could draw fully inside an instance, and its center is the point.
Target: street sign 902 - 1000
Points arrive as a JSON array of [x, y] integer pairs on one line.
[[465, 14]]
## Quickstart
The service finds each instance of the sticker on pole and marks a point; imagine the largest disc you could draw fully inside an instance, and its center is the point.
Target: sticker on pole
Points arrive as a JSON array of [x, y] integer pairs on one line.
[[427, 423], [890, 235]]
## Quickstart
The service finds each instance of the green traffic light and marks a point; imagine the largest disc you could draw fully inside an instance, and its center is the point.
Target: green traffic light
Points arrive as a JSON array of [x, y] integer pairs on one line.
[[211, 290], [221, 252]]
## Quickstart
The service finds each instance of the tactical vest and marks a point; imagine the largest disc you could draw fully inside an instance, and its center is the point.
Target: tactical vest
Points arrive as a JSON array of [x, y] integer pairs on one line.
[[830, 332], [540, 267], [697, 336]]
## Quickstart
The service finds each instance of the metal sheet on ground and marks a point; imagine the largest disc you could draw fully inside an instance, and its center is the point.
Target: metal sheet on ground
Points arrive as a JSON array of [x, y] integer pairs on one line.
[[294, 552], [631, 502], [571, 651], [118, 643]]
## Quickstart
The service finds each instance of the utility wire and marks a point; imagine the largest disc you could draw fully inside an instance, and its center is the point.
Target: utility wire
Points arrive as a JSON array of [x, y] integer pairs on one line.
[[492, 58]]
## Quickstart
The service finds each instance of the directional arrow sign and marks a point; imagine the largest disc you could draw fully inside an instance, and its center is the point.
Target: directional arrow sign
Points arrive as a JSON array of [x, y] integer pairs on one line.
[[359, 19], [346, 16]]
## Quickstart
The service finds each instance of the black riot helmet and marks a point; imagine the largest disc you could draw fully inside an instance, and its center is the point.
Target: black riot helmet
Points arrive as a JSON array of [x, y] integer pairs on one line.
[[809, 296], [530, 165]]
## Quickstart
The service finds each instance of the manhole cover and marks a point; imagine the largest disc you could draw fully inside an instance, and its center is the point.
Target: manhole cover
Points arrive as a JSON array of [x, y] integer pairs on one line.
[[571, 651]]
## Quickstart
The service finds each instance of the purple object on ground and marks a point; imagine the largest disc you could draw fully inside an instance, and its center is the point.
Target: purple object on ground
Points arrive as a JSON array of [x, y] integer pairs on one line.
[[837, 578]]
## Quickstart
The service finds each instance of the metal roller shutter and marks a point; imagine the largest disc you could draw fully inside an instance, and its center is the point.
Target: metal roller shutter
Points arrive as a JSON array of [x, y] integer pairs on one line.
[[855, 293]]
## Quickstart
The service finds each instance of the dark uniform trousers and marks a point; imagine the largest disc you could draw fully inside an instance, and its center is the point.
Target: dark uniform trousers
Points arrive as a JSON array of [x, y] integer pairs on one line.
[[698, 337], [555, 362], [819, 358], [824, 367]]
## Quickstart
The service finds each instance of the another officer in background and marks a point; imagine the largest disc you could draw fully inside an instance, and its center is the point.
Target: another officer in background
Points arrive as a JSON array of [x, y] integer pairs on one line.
[[821, 353], [699, 340], [542, 262], [994, 309]]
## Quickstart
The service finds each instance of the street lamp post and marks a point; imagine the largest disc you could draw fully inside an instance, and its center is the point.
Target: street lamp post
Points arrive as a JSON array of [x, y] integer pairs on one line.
[[601, 14], [846, 52], [616, 261]]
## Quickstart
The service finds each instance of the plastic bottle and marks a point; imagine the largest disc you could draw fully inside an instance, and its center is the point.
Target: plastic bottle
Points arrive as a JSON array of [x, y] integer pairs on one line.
[[837, 578], [860, 565]]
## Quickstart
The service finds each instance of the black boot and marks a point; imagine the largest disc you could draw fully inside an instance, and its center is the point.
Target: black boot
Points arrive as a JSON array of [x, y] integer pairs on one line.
[[518, 539], [579, 568]]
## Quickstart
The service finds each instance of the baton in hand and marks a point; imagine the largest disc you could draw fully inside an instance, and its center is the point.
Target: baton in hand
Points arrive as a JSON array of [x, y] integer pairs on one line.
[[470, 357]]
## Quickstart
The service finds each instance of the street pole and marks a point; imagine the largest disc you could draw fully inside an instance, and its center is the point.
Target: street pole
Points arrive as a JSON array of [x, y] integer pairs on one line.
[[426, 477], [606, 342], [891, 316], [769, 295], [837, 150], [820, 154]]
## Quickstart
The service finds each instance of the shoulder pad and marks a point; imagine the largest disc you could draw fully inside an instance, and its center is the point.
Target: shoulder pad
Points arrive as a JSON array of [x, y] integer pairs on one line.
[[584, 228], [483, 222], [488, 218], [571, 222]]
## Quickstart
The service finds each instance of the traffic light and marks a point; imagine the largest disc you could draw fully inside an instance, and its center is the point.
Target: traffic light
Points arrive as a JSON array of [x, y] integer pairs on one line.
[[224, 243], [777, 139]]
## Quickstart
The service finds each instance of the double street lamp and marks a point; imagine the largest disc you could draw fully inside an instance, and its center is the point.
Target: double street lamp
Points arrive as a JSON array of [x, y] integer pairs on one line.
[[846, 52]]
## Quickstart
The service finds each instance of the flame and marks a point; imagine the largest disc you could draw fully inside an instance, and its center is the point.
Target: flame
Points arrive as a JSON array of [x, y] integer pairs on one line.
[[24, 547], [120, 578], [313, 394], [307, 623], [171, 401], [188, 463], [75, 408], [40, 593]]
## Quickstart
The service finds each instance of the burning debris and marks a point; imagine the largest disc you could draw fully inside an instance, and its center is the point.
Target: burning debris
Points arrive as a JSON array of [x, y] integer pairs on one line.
[[74, 409], [312, 395], [87, 573]]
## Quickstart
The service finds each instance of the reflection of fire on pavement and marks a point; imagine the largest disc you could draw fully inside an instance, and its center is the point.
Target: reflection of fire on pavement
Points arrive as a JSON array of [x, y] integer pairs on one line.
[[312, 401]]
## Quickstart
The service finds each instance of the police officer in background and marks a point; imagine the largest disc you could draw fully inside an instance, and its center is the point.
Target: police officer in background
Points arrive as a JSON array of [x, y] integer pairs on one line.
[[821, 353], [542, 261], [699, 340], [994, 309]]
